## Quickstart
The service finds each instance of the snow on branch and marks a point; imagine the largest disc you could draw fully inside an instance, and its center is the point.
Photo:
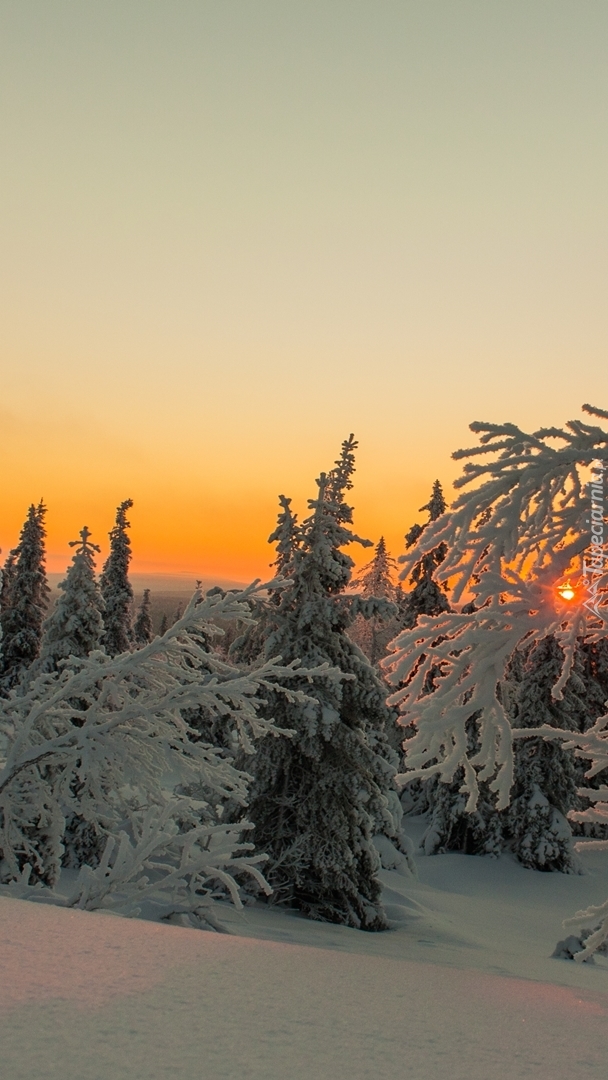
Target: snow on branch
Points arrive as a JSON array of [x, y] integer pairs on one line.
[[105, 737], [521, 524]]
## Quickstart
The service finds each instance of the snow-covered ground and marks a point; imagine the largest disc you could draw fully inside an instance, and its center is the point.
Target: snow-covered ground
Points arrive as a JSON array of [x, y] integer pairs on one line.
[[462, 987]]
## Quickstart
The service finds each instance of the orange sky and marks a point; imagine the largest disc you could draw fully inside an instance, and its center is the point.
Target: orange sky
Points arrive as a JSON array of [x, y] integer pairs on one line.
[[233, 234]]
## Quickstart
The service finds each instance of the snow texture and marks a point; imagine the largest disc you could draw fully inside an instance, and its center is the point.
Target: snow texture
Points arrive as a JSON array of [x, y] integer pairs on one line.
[[462, 988]]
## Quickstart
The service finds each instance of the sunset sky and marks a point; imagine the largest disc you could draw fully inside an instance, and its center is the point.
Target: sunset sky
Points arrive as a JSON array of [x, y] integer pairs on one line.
[[233, 232]]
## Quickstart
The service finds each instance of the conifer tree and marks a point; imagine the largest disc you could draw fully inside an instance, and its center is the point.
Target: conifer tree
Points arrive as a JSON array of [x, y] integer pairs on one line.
[[26, 598], [116, 589], [427, 597], [75, 626], [319, 797], [285, 536], [511, 539], [545, 775], [592, 658], [142, 630], [6, 585], [74, 629], [104, 739], [8, 576], [447, 826], [376, 580], [450, 827]]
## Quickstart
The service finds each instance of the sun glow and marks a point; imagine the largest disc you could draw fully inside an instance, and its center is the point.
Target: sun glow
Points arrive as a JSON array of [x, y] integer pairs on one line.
[[566, 591]]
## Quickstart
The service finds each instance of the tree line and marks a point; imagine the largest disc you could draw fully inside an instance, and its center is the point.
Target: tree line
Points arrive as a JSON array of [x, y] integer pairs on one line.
[[334, 669]]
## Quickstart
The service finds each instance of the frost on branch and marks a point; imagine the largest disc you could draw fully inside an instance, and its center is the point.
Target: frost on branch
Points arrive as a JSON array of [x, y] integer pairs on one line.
[[509, 540], [106, 738], [592, 923]]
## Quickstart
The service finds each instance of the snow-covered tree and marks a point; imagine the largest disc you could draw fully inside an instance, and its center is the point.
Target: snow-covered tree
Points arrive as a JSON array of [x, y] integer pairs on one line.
[[449, 827], [142, 628], [591, 923], [509, 542], [545, 776], [592, 666], [75, 626], [534, 825], [114, 729], [318, 800], [25, 598], [285, 536], [426, 597], [376, 580], [74, 629], [116, 589], [8, 576]]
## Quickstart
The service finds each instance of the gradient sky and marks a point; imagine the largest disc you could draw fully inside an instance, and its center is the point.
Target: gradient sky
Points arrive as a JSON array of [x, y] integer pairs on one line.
[[232, 232]]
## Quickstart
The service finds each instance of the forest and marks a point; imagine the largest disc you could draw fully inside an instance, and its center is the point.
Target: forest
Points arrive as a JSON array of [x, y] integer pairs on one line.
[[268, 746]]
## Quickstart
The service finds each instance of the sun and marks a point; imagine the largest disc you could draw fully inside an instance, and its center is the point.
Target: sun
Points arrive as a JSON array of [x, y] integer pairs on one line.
[[566, 591]]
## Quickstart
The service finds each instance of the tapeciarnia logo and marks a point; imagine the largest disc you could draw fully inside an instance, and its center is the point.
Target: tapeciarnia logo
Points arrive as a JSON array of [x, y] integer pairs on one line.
[[594, 558]]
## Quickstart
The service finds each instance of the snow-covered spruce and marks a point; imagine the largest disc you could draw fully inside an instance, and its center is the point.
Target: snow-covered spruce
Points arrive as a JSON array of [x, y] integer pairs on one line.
[[373, 634], [116, 589], [25, 597], [592, 665], [509, 542], [449, 827], [114, 730], [75, 626], [534, 825], [142, 627], [545, 776], [427, 597], [6, 587], [318, 800], [592, 922]]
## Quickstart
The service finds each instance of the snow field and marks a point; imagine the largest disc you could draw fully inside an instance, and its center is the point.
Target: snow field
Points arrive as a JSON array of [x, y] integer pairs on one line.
[[463, 988]]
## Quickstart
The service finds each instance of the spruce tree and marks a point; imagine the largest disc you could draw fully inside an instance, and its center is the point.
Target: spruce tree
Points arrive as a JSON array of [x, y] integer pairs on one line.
[[8, 577], [75, 626], [426, 597], [285, 536], [142, 629], [593, 659], [450, 827], [26, 598], [116, 588], [545, 775], [319, 797], [6, 587], [376, 580]]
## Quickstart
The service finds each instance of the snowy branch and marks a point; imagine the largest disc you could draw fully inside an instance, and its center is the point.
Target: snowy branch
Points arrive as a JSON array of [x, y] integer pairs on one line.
[[106, 738]]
